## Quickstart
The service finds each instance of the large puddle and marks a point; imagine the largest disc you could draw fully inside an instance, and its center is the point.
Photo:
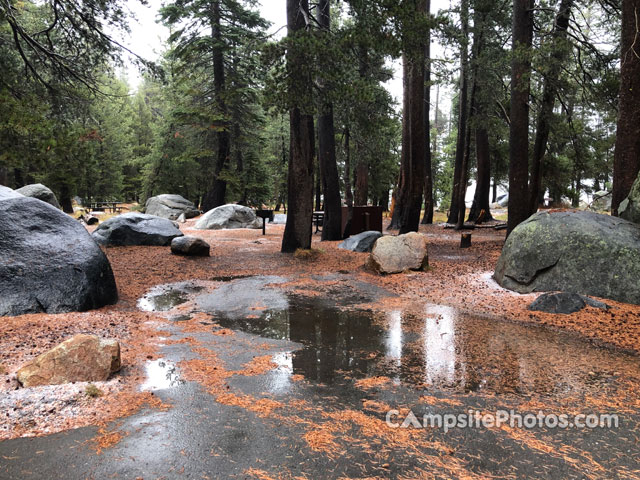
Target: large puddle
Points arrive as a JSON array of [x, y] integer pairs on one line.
[[439, 347]]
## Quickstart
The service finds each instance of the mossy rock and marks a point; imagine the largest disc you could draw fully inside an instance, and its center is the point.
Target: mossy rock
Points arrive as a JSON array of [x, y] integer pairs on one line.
[[570, 251]]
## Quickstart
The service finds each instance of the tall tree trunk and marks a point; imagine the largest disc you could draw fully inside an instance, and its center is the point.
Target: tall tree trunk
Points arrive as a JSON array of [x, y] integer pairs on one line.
[[397, 199], [428, 175], [361, 196], [480, 95], [332, 224], [519, 128], [626, 162], [410, 199], [216, 195], [65, 199], [550, 88], [297, 232], [348, 193], [318, 188], [483, 178], [463, 117]]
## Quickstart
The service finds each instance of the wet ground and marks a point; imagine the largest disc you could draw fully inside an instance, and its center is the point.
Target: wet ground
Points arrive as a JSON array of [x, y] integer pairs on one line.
[[267, 381]]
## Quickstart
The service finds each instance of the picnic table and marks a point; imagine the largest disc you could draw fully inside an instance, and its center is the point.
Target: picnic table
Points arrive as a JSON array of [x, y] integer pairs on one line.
[[114, 207]]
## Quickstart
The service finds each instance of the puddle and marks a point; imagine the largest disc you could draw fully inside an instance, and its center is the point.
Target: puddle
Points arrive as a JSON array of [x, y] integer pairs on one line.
[[161, 374], [163, 298], [442, 349]]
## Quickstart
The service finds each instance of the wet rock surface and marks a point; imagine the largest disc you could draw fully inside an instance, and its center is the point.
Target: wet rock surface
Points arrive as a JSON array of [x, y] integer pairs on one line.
[[244, 297], [82, 358], [136, 229], [6, 192], [48, 261], [577, 252], [396, 254], [190, 246], [41, 192], [362, 242], [229, 217], [171, 207], [564, 303]]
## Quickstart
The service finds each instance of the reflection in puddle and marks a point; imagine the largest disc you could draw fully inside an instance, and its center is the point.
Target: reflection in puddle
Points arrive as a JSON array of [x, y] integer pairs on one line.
[[441, 349], [164, 297], [161, 374]]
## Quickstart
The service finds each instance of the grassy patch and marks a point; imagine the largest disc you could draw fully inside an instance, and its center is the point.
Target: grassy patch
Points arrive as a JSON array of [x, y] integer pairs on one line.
[[93, 391]]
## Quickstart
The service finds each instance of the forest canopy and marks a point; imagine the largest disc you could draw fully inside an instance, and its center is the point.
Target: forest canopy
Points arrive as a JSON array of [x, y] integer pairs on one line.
[[229, 111]]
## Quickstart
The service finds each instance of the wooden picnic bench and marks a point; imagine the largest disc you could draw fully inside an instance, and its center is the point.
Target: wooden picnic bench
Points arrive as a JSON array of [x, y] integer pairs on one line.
[[114, 207]]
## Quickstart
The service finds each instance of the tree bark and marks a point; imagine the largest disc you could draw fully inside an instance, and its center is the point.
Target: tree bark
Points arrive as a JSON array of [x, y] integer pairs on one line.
[[549, 92], [297, 232], [332, 224], [428, 175], [519, 127], [216, 195], [361, 196], [411, 195], [483, 179], [463, 116], [348, 193], [626, 162]]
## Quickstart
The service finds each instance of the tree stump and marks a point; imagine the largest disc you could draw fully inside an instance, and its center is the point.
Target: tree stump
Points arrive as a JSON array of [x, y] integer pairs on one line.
[[465, 240]]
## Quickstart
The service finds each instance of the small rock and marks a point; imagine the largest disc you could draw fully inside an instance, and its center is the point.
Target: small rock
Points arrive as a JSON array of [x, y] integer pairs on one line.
[[564, 303], [190, 246], [397, 254], [82, 358], [362, 242]]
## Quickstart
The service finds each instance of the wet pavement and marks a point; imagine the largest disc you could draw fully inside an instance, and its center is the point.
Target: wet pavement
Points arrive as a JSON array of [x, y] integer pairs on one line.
[[337, 364]]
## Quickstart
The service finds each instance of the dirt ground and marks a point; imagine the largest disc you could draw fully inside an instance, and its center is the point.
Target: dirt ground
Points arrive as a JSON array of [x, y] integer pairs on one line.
[[458, 278]]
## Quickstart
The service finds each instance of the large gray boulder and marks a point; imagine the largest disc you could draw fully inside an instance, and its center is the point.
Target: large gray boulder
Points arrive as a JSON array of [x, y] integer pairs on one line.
[[49, 262], [629, 208], [229, 216], [576, 252], [6, 192], [170, 207], [398, 254], [39, 191], [136, 229], [362, 242]]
